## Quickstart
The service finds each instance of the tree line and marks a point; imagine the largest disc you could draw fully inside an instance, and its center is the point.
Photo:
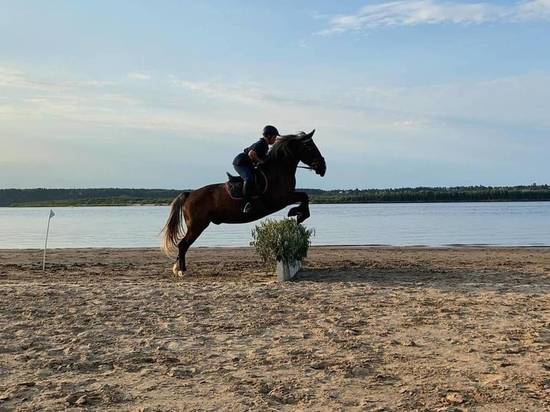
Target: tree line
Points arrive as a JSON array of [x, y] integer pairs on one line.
[[439, 194], [122, 197]]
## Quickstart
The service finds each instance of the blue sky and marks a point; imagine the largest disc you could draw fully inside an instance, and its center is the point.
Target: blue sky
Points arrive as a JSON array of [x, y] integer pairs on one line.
[[165, 94]]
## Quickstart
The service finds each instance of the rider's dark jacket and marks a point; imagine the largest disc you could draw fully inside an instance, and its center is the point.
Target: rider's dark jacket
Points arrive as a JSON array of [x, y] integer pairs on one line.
[[260, 147]]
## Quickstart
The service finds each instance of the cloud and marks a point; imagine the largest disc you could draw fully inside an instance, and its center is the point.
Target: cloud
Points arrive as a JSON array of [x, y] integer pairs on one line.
[[14, 78], [516, 103], [514, 107], [18, 79], [42, 99], [418, 12], [138, 76], [469, 121], [534, 9], [243, 92]]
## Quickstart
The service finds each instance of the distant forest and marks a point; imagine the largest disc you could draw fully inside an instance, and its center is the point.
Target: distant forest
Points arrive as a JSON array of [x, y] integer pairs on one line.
[[124, 197]]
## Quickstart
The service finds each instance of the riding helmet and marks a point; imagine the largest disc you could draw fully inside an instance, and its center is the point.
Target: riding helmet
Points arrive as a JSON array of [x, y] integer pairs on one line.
[[270, 131]]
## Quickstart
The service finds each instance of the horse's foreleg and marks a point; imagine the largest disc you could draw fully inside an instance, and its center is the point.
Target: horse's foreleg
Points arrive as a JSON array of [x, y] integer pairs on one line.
[[194, 230], [302, 211]]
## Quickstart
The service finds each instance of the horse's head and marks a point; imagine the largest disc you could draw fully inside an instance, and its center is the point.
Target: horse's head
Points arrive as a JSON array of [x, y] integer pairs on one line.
[[310, 154], [301, 148]]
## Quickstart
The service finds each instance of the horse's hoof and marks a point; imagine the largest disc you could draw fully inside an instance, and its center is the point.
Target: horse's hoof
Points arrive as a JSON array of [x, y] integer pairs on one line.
[[177, 271], [293, 212]]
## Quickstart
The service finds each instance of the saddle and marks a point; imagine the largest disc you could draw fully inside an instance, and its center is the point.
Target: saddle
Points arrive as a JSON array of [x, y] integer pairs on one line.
[[234, 185]]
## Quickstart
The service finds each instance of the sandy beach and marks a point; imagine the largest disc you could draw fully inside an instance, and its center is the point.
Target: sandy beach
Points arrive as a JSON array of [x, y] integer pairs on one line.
[[359, 329]]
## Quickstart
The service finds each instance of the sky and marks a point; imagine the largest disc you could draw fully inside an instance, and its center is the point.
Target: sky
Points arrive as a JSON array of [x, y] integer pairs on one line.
[[164, 94]]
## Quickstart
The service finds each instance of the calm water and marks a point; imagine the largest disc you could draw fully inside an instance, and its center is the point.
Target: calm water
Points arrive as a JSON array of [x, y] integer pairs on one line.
[[431, 224]]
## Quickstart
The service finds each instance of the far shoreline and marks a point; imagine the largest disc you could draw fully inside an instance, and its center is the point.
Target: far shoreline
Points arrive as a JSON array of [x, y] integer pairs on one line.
[[42, 197], [52, 205]]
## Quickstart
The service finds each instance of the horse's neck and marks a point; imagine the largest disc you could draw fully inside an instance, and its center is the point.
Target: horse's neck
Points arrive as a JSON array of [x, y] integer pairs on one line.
[[283, 172]]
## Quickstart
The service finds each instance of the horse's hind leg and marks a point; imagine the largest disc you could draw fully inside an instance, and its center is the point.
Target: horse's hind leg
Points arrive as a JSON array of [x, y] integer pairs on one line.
[[194, 230]]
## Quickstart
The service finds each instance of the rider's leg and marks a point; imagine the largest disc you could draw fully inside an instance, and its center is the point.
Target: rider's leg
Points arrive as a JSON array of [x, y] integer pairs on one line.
[[245, 171], [247, 195]]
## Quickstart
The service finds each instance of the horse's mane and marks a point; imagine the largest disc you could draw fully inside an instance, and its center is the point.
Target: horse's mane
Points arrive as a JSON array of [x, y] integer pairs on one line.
[[281, 149]]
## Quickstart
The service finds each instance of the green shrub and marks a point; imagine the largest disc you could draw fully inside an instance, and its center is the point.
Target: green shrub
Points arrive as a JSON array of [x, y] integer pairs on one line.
[[284, 240]]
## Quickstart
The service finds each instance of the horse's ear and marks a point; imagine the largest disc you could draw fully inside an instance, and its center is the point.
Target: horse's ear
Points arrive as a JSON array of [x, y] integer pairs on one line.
[[310, 134]]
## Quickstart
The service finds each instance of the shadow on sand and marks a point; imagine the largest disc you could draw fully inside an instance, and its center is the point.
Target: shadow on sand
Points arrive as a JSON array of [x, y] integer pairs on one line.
[[446, 280]]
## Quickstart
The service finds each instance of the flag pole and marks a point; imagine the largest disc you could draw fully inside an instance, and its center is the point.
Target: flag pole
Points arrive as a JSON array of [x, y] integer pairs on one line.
[[52, 214]]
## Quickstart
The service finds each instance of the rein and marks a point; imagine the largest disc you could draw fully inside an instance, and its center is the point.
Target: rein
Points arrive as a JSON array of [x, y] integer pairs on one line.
[[305, 167]]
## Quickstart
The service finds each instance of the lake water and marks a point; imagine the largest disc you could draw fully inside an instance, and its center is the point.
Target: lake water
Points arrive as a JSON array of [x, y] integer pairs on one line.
[[403, 224]]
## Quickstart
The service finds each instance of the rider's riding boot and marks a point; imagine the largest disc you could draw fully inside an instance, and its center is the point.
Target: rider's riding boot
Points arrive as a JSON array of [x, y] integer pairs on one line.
[[254, 205], [247, 194]]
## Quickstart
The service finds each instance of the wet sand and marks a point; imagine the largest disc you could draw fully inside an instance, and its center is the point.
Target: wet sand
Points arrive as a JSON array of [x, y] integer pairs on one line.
[[359, 329]]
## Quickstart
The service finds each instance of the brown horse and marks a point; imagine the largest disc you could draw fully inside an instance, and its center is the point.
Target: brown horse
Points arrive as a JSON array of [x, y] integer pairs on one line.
[[213, 203]]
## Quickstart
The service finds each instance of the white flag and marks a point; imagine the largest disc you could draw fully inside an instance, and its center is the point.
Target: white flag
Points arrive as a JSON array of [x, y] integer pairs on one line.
[[52, 214]]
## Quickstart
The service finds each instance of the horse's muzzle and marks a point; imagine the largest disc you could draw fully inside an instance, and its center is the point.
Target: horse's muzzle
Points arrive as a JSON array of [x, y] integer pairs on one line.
[[320, 167]]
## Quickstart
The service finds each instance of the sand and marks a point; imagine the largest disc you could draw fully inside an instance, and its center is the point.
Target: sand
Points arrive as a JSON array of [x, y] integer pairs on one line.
[[359, 329]]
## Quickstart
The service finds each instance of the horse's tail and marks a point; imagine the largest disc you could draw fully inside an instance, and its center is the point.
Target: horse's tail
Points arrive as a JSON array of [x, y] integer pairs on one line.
[[175, 226]]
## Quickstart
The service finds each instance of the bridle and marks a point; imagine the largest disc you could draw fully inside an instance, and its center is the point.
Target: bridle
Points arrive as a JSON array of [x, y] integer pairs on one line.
[[306, 141]]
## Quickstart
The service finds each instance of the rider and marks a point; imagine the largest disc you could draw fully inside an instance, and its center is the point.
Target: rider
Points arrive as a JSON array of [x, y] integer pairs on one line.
[[250, 157]]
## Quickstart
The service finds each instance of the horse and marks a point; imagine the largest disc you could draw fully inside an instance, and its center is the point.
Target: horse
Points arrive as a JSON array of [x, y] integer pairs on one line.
[[214, 203]]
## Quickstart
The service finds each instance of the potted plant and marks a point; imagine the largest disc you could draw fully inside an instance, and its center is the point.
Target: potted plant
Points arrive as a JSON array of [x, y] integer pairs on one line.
[[282, 245]]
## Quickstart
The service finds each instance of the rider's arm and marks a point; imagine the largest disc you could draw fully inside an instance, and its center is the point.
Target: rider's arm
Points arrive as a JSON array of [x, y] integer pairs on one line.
[[254, 157]]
